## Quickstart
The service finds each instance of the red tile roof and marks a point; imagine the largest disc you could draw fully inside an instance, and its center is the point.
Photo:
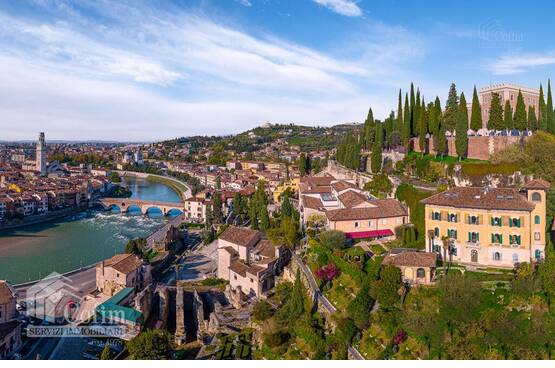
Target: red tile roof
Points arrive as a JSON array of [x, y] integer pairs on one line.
[[240, 235], [481, 198], [382, 208]]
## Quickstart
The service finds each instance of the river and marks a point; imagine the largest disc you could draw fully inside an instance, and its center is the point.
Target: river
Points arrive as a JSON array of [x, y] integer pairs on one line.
[[34, 251]]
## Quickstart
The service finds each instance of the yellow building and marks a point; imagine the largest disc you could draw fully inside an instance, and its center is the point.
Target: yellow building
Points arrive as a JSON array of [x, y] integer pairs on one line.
[[292, 184], [494, 227]]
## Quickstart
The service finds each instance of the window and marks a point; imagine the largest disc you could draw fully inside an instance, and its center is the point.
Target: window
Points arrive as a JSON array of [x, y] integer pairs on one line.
[[473, 220], [497, 238], [452, 217], [356, 224], [436, 248], [420, 273], [436, 216], [453, 250], [537, 219], [370, 223], [536, 197], [514, 240], [538, 254], [473, 237], [452, 233], [252, 280], [496, 256], [436, 232], [515, 258], [537, 235], [496, 221], [514, 222], [384, 221], [234, 277]]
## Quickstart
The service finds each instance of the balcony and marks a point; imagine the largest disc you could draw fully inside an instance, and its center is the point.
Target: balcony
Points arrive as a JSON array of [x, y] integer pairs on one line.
[[472, 244]]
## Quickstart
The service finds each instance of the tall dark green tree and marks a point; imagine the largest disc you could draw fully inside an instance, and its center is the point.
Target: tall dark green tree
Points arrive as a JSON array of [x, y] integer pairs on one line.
[[542, 121], [423, 126], [461, 128], [435, 116], [376, 156], [400, 111], [520, 118], [476, 114], [549, 107], [217, 210], [412, 109], [440, 141], [302, 165], [495, 113], [532, 119], [451, 109], [417, 108], [508, 116], [405, 134], [368, 130]]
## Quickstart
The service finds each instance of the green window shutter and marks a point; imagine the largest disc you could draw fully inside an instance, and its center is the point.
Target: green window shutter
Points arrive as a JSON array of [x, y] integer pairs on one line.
[[477, 237], [518, 240], [455, 234], [492, 238], [469, 237], [501, 239], [492, 221], [510, 222]]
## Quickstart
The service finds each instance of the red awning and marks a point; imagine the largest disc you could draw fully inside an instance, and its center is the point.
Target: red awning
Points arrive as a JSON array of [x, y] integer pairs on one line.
[[369, 234]]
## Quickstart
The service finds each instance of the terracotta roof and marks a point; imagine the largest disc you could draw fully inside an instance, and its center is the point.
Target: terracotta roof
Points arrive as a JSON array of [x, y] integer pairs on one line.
[[124, 263], [342, 185], [411, 259], [481, 198], [351, 198], [317, 180], [537, 184], [382, 208], [316, 190], [265, 248], [239, 268], [230, 250], [311, 202], [239, 235], [6, 292]]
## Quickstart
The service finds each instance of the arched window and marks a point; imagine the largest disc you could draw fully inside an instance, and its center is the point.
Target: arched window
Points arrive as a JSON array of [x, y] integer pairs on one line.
[[536, 197], [496, 256], [537, 219], [420, 273], [538, 254], [515, 258], [474, 255]]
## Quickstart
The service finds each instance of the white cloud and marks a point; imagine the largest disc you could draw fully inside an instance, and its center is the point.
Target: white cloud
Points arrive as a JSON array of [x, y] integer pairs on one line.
[[244, 2], [348, 8], [515, 64], [147, 73]]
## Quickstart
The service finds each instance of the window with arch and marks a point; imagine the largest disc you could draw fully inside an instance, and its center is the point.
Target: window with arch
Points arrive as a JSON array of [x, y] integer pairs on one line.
[[537, 219], [420, 273], [496, 256], [515, 258], [538, 254], [474, 255], [536, 197]]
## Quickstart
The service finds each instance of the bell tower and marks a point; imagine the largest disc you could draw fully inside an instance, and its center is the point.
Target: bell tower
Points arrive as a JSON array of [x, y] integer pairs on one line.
[[41, 155]]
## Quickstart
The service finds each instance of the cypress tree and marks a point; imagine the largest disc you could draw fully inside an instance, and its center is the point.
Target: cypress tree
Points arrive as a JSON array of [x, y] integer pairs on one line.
[[369, 130], [433, 118], [532, 119], [520, 119], [417, 108], [405, 133], [423, 126], [542, 123], [440, 141], [508, 116], [461, 139], [549, 108], [302, 165], [476, 114], [412, 108], [451, 109], [376, 156], [400, 112], [495, 113]]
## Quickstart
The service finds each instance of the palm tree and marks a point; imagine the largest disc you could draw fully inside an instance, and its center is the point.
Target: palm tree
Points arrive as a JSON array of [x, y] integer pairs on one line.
[[445, 241]]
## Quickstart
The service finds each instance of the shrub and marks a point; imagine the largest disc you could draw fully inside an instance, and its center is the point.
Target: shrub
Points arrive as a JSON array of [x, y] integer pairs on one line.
[[332, 239]]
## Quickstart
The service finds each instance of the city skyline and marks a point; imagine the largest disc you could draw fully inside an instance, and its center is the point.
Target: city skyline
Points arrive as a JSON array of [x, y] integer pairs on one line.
[[144, 71]]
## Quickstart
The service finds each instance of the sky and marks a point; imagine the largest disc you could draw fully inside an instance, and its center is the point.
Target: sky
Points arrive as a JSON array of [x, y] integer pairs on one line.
[[151, 70]]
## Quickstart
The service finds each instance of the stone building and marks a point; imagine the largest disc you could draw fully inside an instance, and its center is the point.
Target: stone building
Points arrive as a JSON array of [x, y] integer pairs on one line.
[[508, 92], [417, 268], [10, 327], [122, 271]]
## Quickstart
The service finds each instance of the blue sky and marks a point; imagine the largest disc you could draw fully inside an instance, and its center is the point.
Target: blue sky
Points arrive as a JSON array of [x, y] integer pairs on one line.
[[132, 70]]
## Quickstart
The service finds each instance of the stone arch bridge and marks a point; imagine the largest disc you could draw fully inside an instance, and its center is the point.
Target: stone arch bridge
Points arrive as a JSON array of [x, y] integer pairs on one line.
[[125, 203]]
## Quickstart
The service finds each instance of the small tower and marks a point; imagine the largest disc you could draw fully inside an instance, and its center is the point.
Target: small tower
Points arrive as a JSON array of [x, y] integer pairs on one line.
[[536, 192], [41, 154]]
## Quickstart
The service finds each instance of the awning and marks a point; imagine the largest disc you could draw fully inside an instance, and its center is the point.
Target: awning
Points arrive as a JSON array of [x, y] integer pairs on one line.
[[369, 234]]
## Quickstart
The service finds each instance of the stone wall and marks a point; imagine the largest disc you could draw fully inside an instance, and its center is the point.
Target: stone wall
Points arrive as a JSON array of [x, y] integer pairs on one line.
[[479, 147]]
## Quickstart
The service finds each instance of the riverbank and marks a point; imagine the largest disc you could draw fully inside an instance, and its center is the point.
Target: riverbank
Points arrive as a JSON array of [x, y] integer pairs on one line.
[[181, 188], [41, 219]]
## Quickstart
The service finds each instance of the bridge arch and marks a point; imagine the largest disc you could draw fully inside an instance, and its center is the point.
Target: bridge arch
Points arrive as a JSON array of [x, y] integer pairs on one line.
[[114, 208], [173, 212], [154, 211], [134, 209]]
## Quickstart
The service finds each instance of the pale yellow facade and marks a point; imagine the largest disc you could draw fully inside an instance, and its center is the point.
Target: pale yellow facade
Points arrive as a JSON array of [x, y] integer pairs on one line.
[[492, 238], [292, 184]]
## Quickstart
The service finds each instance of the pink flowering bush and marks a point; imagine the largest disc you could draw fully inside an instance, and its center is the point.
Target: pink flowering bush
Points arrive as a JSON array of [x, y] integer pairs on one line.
[[328, 272]]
